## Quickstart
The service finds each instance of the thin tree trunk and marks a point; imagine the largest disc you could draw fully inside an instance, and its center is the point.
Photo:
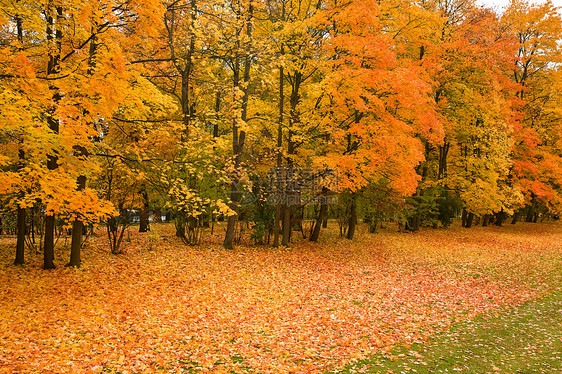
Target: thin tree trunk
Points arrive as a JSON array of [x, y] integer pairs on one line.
[[515, 218], [321, 216], [279, 179], [469, 220], [238, 136], [217, 115], [352, 223], [144, 224], [53, 67], [443, 151], [286, 224], [530, 213], [20, 245], [77, 232]]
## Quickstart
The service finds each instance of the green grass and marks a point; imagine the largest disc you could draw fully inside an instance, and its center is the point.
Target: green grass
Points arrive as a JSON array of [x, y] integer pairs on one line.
[[526, 339]]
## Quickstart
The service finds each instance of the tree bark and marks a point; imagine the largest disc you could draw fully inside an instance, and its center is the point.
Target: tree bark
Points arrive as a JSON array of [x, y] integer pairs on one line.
[[278, 177], [54, 32], [77, 232], [352, 223], [469, 220], [500, 218], [321, 216], [443, 151], [20, 245], [144, 224], [515, 218], [238, 136]]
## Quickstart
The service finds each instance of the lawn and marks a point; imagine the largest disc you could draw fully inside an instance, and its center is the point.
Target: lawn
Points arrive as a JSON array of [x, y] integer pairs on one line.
[[388, 301]]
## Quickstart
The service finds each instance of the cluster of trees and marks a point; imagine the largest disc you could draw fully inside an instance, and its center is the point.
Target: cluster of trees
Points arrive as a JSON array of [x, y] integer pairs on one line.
[[265, 111]]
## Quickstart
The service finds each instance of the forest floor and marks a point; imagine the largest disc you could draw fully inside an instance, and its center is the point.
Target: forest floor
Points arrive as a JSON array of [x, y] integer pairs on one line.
[[455, 300]]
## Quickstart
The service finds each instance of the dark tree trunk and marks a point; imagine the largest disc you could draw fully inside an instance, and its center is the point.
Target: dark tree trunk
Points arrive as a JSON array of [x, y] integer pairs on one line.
[[532, 211], [352, 223], [49, 244], [158, 215], [20, 245], [144, 225], [443, 151], [515, 218], [290, 193], [464, 216], [278, 178], [238, 136], [469, 220], [485, 220], [413, 223], [77, 232], [286, 238], [217, 114], [325, 222], [500, 218], [53, 67], [321, 216]]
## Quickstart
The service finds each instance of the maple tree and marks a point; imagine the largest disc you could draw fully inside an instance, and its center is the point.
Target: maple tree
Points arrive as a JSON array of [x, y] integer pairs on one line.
[[196, 104], [69, 97], [536, 168]]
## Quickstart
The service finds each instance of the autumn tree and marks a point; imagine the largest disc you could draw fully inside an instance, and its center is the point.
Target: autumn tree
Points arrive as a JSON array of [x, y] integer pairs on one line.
[[536, 169], [78, 87]]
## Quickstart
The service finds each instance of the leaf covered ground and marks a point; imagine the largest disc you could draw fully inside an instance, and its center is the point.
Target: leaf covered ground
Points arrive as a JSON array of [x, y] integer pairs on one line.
[[310, 308]]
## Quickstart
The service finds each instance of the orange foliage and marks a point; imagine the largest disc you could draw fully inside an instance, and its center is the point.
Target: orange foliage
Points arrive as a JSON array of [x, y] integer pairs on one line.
[[303, 310]]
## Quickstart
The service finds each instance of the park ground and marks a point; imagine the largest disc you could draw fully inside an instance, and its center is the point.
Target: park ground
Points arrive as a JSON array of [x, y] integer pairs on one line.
[[485, 299]]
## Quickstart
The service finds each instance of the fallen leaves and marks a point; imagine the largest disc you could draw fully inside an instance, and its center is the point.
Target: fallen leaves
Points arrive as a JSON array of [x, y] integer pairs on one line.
[[307, 309]]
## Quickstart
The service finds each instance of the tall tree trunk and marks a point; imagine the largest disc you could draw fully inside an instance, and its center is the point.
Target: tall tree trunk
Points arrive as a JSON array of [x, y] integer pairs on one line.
[[294, 118], [352, 223], [144, 224], [278, 177], [21, 223], [77, 232], [54, 33], [20, 245], [515, 217], [443, 151], [321, 215], [532, 211], [469, 220], [217, 114], [500, 218], [286, 224], [78, 228], [49, 243], [239, 136]]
